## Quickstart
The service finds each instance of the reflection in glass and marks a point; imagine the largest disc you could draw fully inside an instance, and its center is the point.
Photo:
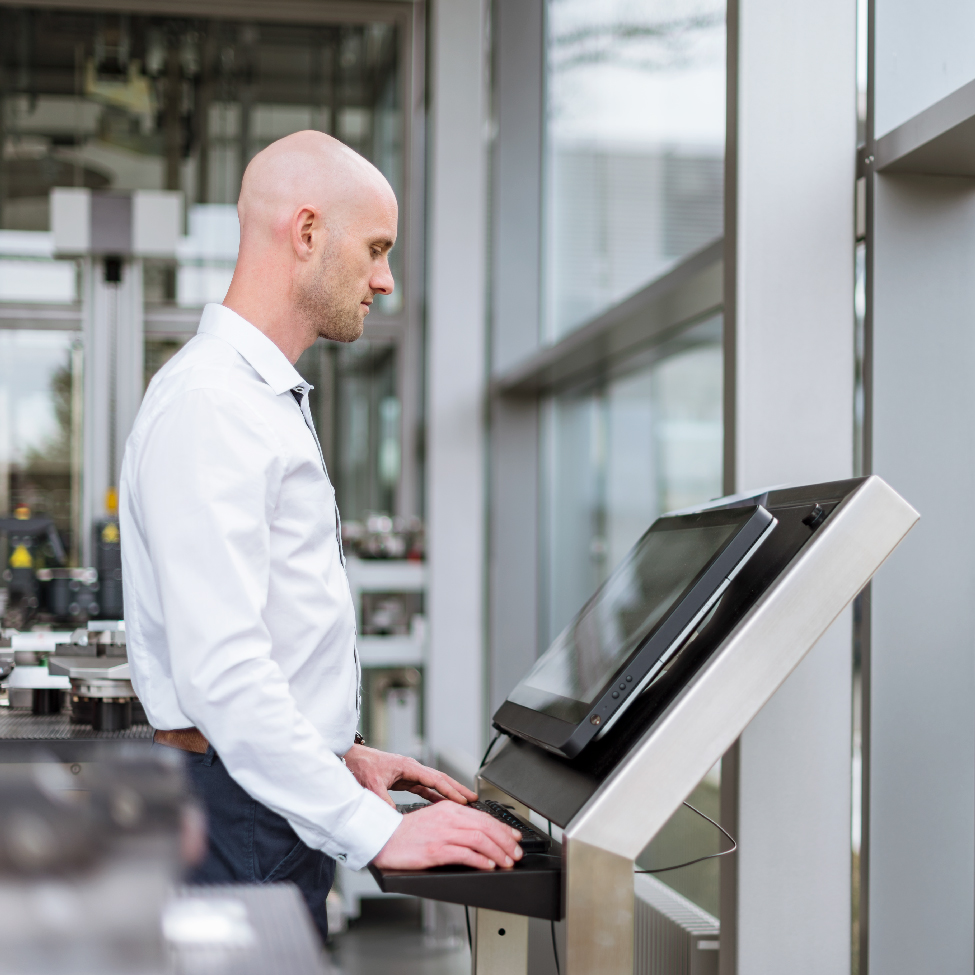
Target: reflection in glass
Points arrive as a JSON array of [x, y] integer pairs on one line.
[[40, 375], [641, 592], [122, 101], [635, 146], [620, 455], [367, 429], [356, 409], [617, 456], [158, 351]]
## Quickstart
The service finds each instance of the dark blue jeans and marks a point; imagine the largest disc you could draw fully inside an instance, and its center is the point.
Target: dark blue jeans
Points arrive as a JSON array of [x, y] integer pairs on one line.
[[250, 844]]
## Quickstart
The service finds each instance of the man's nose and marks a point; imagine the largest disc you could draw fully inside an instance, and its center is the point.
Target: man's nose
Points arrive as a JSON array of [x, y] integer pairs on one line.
[[382, 280]]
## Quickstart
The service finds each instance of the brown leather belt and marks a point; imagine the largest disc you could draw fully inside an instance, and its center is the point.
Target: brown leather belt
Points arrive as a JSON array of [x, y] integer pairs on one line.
[[185, 739]]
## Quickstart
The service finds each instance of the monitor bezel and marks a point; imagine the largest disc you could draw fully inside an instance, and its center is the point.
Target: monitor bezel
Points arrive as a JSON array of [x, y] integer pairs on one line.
[[567, 737]]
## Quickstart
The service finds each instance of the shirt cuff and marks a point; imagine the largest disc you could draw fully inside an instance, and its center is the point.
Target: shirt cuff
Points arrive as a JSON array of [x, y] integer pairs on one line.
[[365, 832]]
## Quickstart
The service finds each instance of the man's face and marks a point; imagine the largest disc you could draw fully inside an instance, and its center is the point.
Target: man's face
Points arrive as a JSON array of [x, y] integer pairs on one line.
[[352, 270]]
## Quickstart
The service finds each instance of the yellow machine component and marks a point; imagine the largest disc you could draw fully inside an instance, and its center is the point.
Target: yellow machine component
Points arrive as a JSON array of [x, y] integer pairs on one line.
[[111, 501], [20, 559], [110, 535], [22, 512]]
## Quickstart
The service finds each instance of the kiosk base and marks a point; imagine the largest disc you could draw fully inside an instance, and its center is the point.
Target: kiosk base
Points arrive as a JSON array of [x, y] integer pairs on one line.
[[615, 797]]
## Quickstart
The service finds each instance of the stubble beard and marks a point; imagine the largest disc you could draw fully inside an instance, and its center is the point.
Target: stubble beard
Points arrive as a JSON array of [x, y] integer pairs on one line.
[[330, 305]]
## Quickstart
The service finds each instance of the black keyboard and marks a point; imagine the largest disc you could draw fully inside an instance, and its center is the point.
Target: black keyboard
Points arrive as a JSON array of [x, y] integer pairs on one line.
[[531, 840]]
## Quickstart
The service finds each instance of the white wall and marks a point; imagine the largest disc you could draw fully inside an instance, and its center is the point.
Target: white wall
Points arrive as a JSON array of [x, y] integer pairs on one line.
[[922, 695], [793, 313], [924, 51], [456, 377]]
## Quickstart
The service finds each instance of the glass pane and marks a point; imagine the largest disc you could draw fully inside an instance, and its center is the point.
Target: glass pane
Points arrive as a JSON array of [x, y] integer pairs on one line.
[[120, 101], [356, 408], [621, 455], [635, 146], [616, 457], [367, 441], [158, 351], [40, 423]]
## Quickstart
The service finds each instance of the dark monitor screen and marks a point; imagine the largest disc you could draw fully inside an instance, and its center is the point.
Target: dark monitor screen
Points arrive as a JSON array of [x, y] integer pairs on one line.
[[662, 586]]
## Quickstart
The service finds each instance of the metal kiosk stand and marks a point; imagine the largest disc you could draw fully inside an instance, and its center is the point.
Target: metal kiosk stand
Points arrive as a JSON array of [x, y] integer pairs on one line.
[[616, 795]]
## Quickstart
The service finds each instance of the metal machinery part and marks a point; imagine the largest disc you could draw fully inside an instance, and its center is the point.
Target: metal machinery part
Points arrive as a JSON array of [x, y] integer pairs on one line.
[[613, 802], [104, 703], [101, 690], [70, 592]]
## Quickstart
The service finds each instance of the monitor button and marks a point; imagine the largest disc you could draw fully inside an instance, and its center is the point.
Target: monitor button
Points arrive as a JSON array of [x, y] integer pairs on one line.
[[622, 687], [616, 693], [628, 678]]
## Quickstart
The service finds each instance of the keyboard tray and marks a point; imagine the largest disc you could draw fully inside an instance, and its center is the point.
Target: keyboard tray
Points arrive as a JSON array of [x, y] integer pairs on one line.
[[533, 887]]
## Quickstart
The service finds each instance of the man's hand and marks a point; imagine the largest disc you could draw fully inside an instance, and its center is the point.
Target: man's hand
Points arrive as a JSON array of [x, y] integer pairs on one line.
[[448, 833], [381, 771]]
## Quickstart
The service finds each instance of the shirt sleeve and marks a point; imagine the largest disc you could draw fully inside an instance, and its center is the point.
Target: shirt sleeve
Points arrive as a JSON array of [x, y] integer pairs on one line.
[[208, 480]]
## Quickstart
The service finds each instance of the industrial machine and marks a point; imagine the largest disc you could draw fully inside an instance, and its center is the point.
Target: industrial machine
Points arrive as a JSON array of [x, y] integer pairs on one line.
[[700, 669], [102, 695], [27, 535]]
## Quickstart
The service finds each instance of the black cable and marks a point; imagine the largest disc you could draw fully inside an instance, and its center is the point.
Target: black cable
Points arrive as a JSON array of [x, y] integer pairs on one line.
[[470, 940], [710, 856], [488, 752]]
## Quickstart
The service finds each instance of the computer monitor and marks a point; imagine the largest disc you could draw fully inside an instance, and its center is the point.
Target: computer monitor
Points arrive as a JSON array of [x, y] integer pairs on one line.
[[623, 637]]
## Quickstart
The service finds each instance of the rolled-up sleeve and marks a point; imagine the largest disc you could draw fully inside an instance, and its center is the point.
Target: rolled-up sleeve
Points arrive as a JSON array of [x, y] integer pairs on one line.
[[208, 480]]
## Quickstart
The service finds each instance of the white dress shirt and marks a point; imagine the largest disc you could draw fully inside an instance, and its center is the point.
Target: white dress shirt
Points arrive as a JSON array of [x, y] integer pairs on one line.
[[238, 614]]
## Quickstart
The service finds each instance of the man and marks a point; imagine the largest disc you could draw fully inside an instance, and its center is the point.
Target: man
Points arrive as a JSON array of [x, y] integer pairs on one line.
[[239, 618]]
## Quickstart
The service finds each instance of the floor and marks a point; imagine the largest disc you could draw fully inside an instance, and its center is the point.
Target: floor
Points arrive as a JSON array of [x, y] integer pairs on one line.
[[389, 938]]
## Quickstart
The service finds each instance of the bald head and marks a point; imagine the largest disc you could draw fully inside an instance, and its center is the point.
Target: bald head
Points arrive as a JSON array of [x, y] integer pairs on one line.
[[301, 169], [317, 221]]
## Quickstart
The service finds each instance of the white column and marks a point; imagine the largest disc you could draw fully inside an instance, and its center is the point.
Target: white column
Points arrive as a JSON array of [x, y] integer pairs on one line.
[[792, 319], [922, 697], [130, 356], [113, 327], [455, 378], [96, 310]]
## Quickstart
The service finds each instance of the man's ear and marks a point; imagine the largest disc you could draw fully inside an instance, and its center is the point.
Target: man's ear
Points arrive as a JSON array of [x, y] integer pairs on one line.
[[303, 227]]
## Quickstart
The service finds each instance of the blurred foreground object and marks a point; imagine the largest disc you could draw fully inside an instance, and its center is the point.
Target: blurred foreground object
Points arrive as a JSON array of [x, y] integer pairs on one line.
[[89, 860], [86, 866]]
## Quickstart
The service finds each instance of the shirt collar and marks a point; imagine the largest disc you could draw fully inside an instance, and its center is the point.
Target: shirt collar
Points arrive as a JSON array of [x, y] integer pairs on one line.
[[264, 356]]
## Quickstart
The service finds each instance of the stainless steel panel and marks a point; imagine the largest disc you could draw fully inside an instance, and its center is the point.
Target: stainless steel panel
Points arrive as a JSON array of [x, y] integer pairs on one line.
[[599, 911], [633, 804]]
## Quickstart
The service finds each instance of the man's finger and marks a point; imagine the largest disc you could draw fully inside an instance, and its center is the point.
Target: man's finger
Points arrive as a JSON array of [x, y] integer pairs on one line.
[[464, 856], [424, 793], [474, 820], [380, 790], [458, 787], [480, 842], [444, 784]]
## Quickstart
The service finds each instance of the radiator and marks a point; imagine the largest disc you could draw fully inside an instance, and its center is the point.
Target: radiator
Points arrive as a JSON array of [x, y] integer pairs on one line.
[[671, 935]]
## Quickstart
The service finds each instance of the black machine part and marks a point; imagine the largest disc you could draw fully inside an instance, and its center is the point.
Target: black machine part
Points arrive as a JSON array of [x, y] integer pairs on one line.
[[108, 562], [557, 788], [35, 528], [47, 700]]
